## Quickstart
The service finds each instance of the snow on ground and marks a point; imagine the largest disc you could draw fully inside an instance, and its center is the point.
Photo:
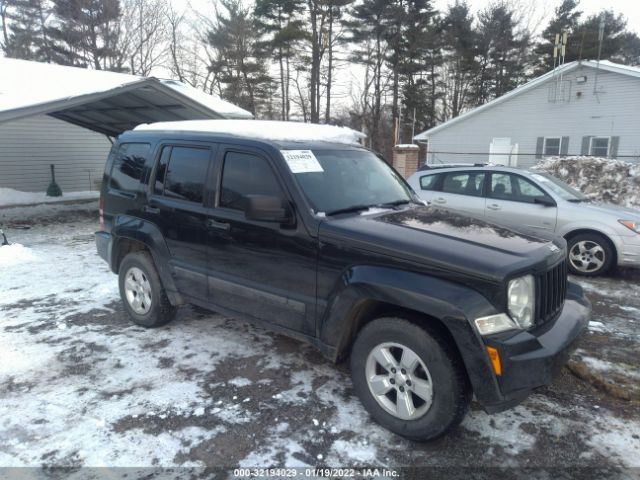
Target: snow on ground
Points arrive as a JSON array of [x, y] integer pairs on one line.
[[81, 385], [601, 179], [9, 196]]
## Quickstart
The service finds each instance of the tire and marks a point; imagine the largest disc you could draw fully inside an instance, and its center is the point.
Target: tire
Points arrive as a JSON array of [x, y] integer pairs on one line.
[[450, 391], [590, 254], [154, 308]]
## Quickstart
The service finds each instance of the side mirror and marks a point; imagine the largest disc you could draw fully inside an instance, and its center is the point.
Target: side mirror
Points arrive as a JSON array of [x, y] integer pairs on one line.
[[267, 208], [546, 201]]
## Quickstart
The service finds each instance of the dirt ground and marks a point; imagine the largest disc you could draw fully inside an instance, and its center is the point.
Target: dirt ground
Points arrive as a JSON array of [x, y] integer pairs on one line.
[[80, 385]]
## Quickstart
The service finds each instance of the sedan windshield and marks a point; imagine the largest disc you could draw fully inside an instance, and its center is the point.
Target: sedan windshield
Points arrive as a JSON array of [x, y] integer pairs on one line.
[[560, 188], [352, 181]]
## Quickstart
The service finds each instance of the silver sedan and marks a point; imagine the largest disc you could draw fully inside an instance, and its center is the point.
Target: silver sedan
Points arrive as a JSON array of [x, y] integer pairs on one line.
[[599, 236]]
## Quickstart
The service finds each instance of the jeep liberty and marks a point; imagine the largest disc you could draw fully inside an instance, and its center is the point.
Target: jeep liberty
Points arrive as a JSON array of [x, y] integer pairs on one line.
[[322, 240]]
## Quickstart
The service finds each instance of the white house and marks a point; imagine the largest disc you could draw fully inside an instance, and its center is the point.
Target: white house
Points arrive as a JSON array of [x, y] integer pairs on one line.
[[66, 116], [580, 108]]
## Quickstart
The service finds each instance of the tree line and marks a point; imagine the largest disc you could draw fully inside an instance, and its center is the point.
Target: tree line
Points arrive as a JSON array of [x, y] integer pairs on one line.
[[391, 68]]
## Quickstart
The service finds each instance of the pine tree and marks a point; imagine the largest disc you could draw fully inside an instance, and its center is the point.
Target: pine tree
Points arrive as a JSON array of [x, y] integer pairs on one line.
[[26, 35], [87, 33], [459, 65], [280, 21], [566, 19], [239, 57]]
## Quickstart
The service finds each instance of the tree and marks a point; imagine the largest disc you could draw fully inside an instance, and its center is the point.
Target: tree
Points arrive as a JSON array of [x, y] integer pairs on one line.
[[280, 21], [147, 34], [459, 65], [367, 32], [566, 19], [24, 29], [238, 56], [88, 33], [502, 53]]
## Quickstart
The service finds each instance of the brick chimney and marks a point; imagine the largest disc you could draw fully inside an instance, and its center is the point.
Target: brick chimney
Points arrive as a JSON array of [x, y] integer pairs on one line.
[[405, 159]]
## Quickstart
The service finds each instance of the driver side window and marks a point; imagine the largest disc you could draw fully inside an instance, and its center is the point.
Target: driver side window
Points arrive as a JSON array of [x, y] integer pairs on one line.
[[246, 174]]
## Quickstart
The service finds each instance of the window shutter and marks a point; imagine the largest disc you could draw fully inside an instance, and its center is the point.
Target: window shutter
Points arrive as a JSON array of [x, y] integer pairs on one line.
[[564, 147], [585, 145], [613, 148], [539, 147]]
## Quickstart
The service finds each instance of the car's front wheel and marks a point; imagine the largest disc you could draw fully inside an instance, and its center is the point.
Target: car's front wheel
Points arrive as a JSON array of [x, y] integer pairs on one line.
[[142, 292], [409, 379], [590, 255]]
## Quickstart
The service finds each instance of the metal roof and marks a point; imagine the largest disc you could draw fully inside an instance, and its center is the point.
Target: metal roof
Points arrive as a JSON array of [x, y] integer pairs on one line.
[[603, 65], [105, 102]]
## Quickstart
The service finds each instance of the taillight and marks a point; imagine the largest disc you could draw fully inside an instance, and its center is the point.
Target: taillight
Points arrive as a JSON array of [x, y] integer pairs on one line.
[[101, 207]]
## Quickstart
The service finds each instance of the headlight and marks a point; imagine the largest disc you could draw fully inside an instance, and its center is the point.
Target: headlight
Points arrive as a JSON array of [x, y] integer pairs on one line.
[[631, 225], [494, 324], [521, 295]]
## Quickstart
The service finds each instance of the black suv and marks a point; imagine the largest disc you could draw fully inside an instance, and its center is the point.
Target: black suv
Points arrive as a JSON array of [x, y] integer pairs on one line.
[[327, 243]]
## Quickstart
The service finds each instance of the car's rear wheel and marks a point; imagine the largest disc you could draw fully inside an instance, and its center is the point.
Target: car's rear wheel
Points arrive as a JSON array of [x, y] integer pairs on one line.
[[409, 379], [590, 254], [142, 292]]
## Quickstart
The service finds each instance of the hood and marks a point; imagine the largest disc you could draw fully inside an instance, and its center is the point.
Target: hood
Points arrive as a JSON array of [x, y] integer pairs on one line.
[[620, 212], [444, 240]]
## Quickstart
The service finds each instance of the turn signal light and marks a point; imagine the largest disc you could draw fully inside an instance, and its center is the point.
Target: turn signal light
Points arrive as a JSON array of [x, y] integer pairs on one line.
[[494, 357]]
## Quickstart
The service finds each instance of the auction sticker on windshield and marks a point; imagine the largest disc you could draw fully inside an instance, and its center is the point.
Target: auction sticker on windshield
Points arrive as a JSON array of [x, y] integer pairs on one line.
[[302, 161]]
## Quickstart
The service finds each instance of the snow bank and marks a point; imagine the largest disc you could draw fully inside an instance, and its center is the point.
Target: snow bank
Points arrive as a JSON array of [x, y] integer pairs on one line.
[[9, 196], [15, 254], [600, 179], [263, 129]]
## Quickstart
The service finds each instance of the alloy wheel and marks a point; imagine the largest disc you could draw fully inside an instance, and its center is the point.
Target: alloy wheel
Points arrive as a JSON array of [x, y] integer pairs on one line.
[[138, 290], [587, 256], [399, 381]]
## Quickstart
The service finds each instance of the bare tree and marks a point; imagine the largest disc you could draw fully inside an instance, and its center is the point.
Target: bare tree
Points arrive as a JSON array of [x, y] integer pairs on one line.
[[147, 34], [4, 23]]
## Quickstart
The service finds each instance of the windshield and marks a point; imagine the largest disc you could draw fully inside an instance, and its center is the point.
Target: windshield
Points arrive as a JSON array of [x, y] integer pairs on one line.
[[560, 188], [350, 180]]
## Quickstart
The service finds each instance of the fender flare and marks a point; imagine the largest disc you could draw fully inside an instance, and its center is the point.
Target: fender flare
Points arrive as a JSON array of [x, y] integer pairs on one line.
[[452, 304], [126, 227]]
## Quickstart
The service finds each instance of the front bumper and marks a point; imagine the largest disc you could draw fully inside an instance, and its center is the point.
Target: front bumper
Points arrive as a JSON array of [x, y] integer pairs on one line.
[[531, 359], [630, 252]]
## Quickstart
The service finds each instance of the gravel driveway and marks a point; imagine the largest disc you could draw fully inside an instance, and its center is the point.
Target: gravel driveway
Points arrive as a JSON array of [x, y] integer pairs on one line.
[[82, 386]]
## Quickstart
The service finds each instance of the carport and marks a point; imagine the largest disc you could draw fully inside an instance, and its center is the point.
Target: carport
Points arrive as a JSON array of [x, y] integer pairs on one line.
[[53, 114]]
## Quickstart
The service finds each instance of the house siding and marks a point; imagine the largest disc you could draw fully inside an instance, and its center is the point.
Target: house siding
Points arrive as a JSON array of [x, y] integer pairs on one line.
[[28, 146], [614, 111]]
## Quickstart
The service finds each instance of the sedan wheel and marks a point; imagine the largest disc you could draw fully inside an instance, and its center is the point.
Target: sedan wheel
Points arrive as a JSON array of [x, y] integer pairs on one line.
[[399, 381], [590, 254]]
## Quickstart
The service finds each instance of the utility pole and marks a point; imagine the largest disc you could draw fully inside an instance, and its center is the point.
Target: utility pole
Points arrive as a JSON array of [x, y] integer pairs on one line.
[[600, 40]]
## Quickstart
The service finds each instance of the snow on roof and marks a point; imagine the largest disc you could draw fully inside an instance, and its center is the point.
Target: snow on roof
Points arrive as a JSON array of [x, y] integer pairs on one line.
[[24, 84], [264, 129], [603, 64]]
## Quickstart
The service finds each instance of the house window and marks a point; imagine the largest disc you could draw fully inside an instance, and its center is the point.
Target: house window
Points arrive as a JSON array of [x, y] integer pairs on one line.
[[552, 146], [599, 146]]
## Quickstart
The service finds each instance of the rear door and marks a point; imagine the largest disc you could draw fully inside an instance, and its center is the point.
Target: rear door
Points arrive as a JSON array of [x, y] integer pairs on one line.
[[426, 185], [461, 191], [512, 200], [178, 206]]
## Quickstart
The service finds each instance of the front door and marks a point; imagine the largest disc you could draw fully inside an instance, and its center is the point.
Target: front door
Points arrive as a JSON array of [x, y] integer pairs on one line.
[[261, 269], [512, 200], [177, 206]]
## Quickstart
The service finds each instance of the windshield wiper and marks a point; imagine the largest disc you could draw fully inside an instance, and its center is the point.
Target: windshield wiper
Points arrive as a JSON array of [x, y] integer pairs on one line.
[[352, 208], [393, 204]]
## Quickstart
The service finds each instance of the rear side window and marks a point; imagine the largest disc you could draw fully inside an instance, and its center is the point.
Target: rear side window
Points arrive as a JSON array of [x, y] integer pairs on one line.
[[182, 172], [429, 182], [245, 174], [128, 166], [464, 183]]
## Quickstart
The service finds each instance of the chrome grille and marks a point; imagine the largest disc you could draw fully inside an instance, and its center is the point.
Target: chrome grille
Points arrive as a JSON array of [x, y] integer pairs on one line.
[[551, 290]]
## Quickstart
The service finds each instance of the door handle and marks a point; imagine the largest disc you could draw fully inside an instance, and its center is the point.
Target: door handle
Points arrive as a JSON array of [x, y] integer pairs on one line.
[[493, 206], [149, 209], [211, 223], [439, 200]]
